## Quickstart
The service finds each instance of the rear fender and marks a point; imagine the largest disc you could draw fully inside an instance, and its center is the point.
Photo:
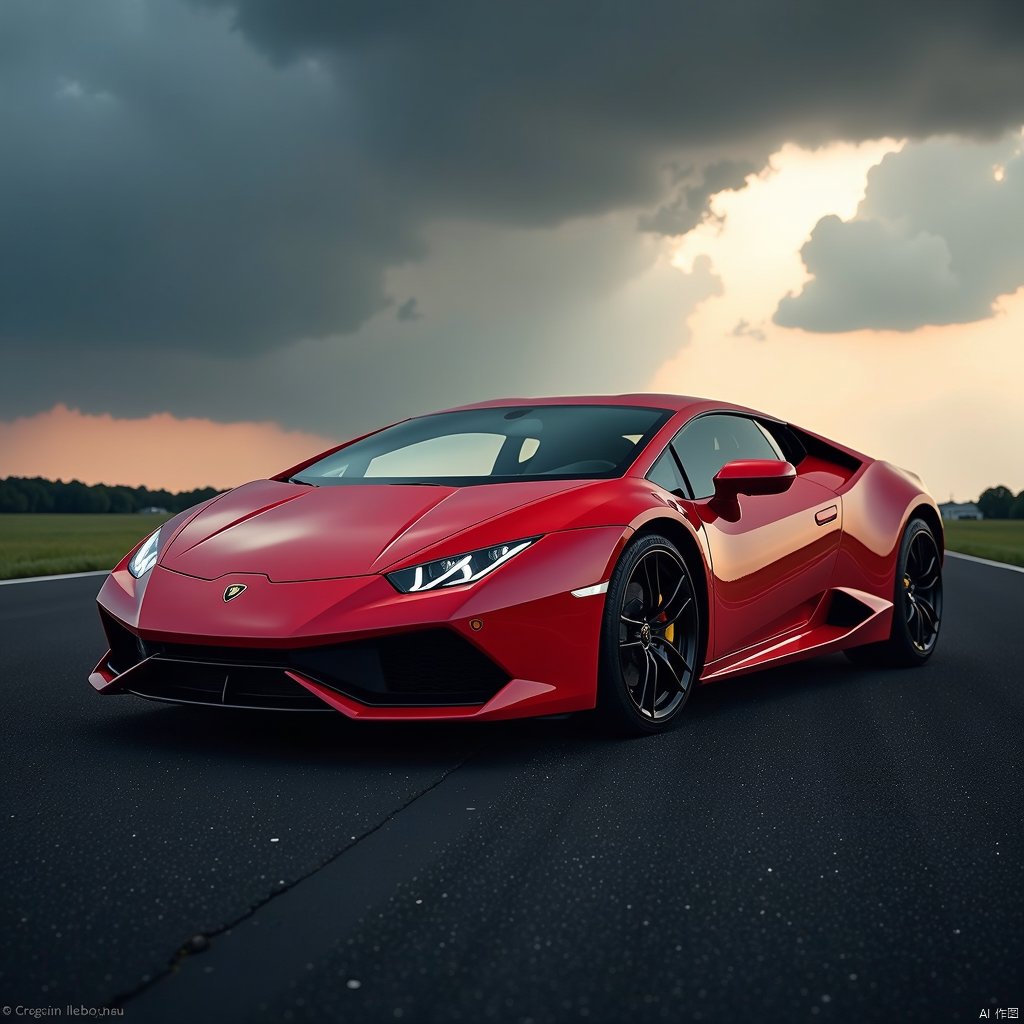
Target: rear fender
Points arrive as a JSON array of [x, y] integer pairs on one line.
[[876, 508]]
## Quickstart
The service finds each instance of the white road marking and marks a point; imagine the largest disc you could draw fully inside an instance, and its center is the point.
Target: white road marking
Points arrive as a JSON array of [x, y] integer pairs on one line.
[[986, 561], [65, 576]]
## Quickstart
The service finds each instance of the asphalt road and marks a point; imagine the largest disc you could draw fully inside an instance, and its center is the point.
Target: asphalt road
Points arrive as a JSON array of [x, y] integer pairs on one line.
[[814, 843]]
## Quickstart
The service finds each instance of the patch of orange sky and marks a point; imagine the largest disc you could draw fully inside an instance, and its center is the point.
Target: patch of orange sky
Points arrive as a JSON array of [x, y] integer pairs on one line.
[[158, 451]]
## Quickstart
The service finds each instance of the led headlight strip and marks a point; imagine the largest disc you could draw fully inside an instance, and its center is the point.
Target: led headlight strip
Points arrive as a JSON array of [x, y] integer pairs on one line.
[[145, 558], [457, 570]]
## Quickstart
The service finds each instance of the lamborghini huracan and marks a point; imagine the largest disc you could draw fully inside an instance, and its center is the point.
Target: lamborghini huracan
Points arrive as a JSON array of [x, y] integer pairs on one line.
[[530, 557]]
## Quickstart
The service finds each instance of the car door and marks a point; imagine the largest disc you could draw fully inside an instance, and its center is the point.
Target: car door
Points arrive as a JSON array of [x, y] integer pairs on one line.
[[772, 554]]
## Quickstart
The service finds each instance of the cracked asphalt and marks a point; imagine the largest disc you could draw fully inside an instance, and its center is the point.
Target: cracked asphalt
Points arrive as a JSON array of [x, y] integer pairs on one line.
[[816, 843]]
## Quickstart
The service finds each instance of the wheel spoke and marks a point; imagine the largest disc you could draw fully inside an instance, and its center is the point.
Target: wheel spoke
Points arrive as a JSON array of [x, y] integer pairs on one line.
[[629, 643], [675, 593], [651, 595], [911, 610], [928, 612], [676, 653], [927, 558], [662, 626], [930, 576], [647, 674], [661, 653], [654, 688], [632, 622], [913, 561]]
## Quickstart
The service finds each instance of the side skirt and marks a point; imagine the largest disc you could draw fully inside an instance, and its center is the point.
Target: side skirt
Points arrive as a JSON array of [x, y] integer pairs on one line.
[[845, 618]]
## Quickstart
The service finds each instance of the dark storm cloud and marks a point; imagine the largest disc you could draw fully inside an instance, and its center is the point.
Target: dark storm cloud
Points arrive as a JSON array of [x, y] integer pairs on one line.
[[169, 184], [540, 109], [163, 186], [936, 240], [690, 202], [409, 310], [590, 307]]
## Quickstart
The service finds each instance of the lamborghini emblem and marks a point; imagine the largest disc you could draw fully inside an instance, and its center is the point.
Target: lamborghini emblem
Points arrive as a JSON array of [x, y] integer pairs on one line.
[[233, 591]]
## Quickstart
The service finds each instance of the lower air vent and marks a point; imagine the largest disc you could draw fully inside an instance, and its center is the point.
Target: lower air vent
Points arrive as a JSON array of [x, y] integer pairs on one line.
[[125, 648], [427, 668], [846, 611], [223, 685], [434, 666]]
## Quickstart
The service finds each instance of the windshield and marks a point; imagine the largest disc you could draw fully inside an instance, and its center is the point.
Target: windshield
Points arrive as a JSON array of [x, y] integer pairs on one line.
[[544, 442]]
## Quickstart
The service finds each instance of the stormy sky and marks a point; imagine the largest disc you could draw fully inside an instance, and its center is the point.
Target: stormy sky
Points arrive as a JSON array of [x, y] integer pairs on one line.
[[320, 216]]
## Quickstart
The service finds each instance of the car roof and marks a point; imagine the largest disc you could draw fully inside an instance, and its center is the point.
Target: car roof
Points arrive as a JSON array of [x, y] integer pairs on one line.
[[674, 403]]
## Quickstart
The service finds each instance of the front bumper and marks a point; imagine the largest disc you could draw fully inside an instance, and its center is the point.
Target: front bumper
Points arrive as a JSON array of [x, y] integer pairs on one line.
[[515, 644]]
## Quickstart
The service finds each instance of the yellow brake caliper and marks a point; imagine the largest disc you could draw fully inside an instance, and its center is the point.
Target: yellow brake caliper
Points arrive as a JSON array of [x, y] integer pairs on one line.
[[670, 631]]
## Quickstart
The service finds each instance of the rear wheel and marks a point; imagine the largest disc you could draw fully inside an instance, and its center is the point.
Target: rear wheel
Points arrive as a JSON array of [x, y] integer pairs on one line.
[[651, 641], [917, 604]]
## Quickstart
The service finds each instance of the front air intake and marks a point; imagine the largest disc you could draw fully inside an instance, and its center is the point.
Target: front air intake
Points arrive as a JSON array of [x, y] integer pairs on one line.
[[425, 668], [229, 686]]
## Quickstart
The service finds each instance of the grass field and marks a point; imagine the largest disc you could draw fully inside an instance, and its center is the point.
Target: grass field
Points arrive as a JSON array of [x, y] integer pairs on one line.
[[47, 544], [1002, 540], [43, 545]]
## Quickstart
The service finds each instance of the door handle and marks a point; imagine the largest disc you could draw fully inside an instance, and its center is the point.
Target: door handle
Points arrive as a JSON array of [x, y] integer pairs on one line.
[[825, 516]]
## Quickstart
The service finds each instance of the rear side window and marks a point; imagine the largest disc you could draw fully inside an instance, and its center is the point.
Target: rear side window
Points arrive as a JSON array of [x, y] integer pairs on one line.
[[791, 447], [709, 442]]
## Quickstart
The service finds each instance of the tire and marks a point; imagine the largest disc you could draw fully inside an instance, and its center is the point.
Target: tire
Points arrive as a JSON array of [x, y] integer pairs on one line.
[[651, 639], [917, 604]]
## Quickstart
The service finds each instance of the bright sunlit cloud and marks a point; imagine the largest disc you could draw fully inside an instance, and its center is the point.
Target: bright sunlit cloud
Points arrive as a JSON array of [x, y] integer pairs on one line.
[[754, 239], [929, 399]]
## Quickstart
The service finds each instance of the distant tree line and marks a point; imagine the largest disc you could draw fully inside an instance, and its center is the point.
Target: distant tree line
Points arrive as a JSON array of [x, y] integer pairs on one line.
[[1000, 503], [34, 494]]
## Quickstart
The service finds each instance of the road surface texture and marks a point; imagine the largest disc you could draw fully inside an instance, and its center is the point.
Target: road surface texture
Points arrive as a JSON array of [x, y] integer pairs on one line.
[[816, 843]]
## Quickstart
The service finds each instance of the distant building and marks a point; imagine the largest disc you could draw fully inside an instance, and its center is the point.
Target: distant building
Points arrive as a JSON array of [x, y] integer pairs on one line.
[[960, 510], [156, 510]]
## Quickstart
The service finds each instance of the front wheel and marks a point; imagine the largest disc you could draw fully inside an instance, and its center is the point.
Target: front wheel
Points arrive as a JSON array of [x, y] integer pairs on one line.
[[650, 640], [917, 604]]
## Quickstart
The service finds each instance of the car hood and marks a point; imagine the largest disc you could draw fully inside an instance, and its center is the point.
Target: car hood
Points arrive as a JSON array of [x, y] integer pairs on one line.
[[291, 532]]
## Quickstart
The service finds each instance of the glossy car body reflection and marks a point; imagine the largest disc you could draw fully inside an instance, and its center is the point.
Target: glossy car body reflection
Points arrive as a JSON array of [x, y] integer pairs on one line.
[[805, 565]]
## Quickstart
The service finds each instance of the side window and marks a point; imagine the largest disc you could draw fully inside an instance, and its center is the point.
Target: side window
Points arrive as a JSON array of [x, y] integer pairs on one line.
[[709, 442], [665, 473]]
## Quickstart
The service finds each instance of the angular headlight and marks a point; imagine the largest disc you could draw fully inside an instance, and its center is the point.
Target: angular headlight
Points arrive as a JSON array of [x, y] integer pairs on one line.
[[457, 570], [145, 558]]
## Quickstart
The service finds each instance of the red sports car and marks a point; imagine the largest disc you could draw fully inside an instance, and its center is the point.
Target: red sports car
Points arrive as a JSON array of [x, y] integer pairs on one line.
[[530, 557]]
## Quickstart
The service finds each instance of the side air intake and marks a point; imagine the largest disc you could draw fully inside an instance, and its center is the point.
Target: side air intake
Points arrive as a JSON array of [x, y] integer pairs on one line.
[[846, 611]]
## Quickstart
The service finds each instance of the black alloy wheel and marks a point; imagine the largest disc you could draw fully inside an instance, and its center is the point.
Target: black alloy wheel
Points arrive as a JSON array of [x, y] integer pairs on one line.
[[922, 591], [650, 660], [916, 606]]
